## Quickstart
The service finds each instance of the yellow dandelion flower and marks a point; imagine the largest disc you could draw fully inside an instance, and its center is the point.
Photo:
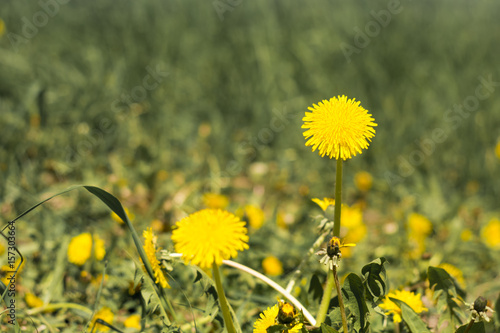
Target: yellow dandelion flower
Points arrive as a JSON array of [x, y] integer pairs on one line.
[[272, 266], [80, 249], [215, 201], [118, 219], [363, 181], [356, 234], [267, 319], [466, 235], [33, 301], [255, 216], [208, 236], [497, 149], [490, 233], [419, 226], [351, 217], [99, 250], [411, 299], [105, 315], [454, 272], [338, 128], [150, 249], [133, 321], [325, 203]]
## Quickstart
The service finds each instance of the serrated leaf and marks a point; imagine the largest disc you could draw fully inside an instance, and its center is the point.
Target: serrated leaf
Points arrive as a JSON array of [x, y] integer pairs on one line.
[[475, 328], [327, 329], [375, 277], [411, 319]]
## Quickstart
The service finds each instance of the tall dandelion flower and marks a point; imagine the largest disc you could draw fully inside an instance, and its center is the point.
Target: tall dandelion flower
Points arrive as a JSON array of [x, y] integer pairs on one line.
[[338, 128], [209, 236], [411, 299], [150, 249]]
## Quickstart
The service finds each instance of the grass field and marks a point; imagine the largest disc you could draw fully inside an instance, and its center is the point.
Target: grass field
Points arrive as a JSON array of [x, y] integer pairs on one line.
[[162, 102]]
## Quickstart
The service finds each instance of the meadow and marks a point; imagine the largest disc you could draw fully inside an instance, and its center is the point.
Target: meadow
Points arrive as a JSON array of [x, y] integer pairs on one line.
[[176, 106]]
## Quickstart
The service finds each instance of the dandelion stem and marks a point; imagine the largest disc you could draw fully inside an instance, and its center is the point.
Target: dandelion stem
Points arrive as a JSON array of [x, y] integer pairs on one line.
[[471, 323], [228, 321], [338, 199], [325, 302], [341, 300]]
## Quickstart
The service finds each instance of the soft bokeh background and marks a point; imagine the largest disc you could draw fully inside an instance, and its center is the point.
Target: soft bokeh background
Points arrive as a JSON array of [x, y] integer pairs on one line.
[[222, 113]]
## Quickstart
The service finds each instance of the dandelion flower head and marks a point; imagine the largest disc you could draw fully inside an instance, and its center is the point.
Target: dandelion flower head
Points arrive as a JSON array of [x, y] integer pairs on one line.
[[491, 233], [272, 266], [209, 236], [150, 249], [267, 319], [255, 216], [272, 316], [80, 248], [338, 128], [325, 203], [411, 299]]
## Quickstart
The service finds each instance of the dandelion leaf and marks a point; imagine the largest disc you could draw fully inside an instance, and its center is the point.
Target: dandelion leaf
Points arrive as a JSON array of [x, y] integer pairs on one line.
[[410, 317], [355, 303], [375, 279], [315, 288], [447, 296]]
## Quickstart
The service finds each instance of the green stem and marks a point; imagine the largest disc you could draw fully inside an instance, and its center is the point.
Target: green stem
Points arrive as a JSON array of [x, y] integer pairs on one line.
[[338, 199], [325, 302], [228, 321], [341, 300], [56, 306]]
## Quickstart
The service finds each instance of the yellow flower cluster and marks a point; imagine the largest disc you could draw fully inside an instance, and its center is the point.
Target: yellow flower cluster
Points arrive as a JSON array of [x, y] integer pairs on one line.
[[411, 299], [150, 249], [419, 228], [80, 248], [338, 128], [209, 236]]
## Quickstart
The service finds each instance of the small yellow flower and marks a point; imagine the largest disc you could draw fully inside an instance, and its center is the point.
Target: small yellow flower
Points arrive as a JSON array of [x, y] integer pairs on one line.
[[282, 313], [255, 216], [411, 299], [497, 149], [466, 235], [209, 236], [118, 219], [133, 321], [490, 234], [215, 201], [454, 272], [325, 203], [338, 128], [272, 266], [419, 226], [267, 319], [105, 315], [80, 249], [150, 249], [6, 268], [99, 250], [33, 301], [363, 181]]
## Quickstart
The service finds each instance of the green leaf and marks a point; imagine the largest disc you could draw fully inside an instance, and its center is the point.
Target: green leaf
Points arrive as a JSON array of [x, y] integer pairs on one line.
[[315, 287], [476, 328], [415, 324], [354, 301], [447, 296], [327, 329], [374, 279]]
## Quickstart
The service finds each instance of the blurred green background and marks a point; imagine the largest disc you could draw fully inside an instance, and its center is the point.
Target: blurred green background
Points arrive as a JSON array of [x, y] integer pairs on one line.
[[161, 101]]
